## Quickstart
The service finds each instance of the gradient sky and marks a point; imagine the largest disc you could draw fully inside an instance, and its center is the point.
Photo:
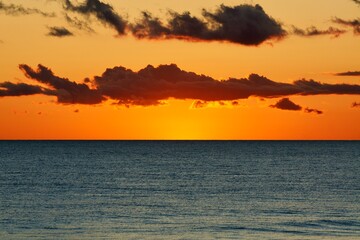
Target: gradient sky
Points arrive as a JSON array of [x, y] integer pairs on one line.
[[317, 42]]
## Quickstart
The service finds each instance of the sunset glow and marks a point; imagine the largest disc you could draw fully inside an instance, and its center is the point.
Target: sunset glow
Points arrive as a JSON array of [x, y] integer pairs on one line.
[[204, 70]]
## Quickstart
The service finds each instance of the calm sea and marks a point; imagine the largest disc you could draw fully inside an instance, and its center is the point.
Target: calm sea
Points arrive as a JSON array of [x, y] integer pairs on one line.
[[179, 190]]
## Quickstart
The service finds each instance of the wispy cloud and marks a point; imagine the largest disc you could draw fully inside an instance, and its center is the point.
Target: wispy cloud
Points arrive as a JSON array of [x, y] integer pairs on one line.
[[310, 110], [313, 31], [102, 11], [18, 10], [355, 24], [244, 24], [79, 24], [356, 1], [59, 32]]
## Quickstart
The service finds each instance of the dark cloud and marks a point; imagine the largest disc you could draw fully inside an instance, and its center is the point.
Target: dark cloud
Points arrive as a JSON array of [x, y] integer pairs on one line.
[[65, 90], [286, 104], [59, 32], [199, 104], [154, 85], [102, 11], [313, 31], [311, 87], [235, 103], [355, 24], [19, 89], [349, 73], [79, 24], [243, 24], [355, 105], [356, 1], [169, 81], [310, 110], [18, 10]]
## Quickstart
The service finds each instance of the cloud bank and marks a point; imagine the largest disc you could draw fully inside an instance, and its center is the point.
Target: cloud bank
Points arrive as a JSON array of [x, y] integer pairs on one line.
[[153, 85]]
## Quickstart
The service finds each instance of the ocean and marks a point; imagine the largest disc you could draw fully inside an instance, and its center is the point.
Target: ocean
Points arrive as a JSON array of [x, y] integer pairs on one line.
[[180, 190]]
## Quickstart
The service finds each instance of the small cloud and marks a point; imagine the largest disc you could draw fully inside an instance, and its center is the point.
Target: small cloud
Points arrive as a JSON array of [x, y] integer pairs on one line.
[[310, 110], [286, 104], [59, 32], [76, 110], [349, 73], [79, 24], [39, 113], [235, 103], [355, 105]]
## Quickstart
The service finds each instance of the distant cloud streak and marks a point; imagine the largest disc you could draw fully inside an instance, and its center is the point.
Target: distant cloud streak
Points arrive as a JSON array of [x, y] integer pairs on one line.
[[18, 10], [355, 24], [349, 73], [310, 110], [19, 89], [313, 31]]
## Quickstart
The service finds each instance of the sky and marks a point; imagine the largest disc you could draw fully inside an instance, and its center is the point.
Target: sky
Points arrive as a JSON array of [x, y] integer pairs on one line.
[[166, 69]]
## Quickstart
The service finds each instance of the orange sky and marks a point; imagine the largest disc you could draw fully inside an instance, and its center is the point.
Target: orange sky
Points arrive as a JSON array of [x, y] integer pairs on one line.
[[24, 39]]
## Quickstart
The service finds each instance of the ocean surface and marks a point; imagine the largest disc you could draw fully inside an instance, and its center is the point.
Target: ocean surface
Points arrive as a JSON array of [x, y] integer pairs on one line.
[[179, 189]]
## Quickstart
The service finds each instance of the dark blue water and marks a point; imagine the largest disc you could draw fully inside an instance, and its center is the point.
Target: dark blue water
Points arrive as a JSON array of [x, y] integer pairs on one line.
[[179, 190]]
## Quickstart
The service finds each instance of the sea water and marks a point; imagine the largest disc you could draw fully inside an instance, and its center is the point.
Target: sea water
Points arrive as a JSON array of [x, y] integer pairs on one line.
[[179, 190]]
